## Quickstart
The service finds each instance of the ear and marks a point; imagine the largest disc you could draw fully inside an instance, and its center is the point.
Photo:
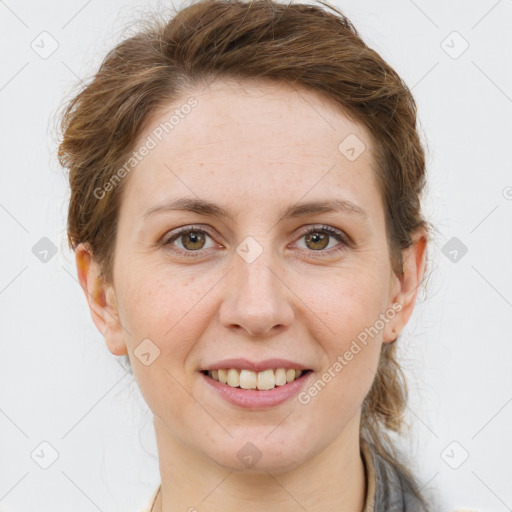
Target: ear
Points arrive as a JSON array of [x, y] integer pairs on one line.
[[101, 299], [405, 287]]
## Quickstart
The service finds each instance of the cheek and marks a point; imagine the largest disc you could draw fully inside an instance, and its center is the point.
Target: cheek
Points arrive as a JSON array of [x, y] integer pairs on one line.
[[350, 310], [349, 302], [168, 311], [340, 387], [158, 304], [172, 310]]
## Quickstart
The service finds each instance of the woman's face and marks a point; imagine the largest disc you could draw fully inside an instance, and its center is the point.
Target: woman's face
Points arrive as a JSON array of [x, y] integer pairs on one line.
[[264, 281]]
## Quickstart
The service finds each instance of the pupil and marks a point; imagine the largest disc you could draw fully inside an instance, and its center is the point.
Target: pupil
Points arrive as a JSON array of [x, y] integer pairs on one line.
[[193, 238], [317, 238]]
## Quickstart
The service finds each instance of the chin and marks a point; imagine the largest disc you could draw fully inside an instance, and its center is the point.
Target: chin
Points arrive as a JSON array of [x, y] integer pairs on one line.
[[254, 454]]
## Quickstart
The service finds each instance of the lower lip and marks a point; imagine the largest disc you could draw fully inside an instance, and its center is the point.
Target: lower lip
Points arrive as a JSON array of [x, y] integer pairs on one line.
[[255, 399]]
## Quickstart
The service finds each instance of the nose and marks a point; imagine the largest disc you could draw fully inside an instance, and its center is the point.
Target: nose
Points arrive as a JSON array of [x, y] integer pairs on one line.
[[257, 298]]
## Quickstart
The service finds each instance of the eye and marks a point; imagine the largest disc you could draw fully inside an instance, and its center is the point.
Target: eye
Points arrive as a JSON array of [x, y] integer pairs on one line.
[[317, 239], [192, 239]]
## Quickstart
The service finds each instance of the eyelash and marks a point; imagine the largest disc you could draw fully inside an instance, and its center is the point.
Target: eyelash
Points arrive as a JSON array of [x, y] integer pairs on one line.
[[338, 235]]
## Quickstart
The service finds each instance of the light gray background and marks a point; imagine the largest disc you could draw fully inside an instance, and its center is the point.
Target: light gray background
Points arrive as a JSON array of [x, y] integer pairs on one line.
[[58, 382]]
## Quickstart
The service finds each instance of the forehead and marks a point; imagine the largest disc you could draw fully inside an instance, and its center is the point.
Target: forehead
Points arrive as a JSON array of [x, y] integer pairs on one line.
[[265, 141], [246, 115]]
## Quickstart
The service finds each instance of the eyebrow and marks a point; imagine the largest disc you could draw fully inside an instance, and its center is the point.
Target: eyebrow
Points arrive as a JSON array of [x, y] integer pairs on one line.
[[210, 209]]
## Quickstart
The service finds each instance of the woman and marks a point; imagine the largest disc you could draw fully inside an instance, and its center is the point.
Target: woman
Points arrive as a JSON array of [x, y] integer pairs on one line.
[[245, 214]]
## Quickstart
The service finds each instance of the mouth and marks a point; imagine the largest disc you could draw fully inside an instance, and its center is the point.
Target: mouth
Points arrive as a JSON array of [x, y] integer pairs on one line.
[[265, 380]]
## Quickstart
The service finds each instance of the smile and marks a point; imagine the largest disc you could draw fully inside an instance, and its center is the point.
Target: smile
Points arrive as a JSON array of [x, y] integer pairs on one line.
[[248, 379], [254, 397]]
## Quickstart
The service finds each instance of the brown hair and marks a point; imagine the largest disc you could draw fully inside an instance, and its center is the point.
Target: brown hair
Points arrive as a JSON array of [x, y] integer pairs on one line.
[[299, 44]]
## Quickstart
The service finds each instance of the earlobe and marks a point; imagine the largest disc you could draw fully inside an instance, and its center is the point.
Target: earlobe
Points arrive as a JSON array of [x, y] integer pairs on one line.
[[407, 285], [100, 298]]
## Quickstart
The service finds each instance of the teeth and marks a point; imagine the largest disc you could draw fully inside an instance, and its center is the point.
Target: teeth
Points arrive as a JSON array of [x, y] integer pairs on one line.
[[223, 376], [280, 377], [247, 379], [233, 378], [266, 380]]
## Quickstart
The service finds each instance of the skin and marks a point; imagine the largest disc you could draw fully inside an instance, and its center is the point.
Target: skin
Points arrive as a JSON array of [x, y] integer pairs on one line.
[[254, 148]]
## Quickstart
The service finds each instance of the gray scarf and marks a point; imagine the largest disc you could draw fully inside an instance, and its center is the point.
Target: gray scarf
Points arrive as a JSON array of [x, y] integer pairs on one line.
[[394, 490]]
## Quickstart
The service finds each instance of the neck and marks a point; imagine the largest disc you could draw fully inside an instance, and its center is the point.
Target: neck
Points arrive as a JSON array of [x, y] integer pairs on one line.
[[333, 480]]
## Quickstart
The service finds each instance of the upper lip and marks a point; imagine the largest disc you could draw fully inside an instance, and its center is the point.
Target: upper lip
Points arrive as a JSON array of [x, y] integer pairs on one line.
[[244, 364]]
